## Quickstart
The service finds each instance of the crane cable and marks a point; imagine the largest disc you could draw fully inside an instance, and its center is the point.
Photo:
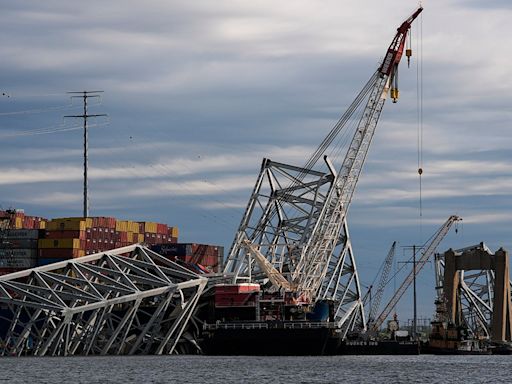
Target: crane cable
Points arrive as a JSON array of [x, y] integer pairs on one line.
[[419, 105]]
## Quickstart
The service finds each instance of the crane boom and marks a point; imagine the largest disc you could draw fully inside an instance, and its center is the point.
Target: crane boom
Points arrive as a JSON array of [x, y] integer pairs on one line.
[[275, 277], [320, 243], [296, 216], [388, 261], [429, 250]]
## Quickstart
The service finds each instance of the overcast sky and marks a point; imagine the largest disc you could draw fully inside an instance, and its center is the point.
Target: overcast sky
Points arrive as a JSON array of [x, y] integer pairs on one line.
[[199, 92]]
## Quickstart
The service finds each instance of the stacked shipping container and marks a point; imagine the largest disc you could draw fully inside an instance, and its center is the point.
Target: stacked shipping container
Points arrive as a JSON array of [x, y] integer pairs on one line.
[[19, 235], [27, 241], [18, 249], [77, 236], [209, 256], [17, 219]]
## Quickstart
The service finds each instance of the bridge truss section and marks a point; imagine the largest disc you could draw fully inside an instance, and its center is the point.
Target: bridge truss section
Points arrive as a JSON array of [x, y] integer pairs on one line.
[[280, 219], [124, 301], [476, 293]]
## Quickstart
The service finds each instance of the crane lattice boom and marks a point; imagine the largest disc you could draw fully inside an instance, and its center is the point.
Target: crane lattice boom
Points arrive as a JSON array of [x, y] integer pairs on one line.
[[325, 234], [429, 251], [388, 262], [296, 216]]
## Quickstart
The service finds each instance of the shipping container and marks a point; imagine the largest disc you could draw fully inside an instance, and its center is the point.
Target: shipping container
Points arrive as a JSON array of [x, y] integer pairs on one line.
[[61, 243], [161, 228], [149, 227], [41, 261], [18, 253], [133, 226], [18, 258], [122, 226], [173, 232], [64, 253], [82, 235], [236, 288], [6, 271], [67, 224], [19, 243], [22, 234]]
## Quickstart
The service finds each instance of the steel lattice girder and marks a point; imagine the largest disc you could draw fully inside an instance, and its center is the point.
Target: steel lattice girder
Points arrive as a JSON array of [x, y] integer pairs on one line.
[[124, 301], [280, 217], [284, 204]]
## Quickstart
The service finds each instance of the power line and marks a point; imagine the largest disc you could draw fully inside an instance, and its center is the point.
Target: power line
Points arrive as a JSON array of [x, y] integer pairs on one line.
[[51, 129], [37, 110]]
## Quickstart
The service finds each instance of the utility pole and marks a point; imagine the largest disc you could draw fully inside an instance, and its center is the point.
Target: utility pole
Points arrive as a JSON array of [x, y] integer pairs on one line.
[[415, 313], [85, 95]]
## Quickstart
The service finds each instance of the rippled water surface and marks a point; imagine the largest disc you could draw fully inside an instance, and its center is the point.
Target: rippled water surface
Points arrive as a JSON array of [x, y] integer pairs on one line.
[[204, 369]]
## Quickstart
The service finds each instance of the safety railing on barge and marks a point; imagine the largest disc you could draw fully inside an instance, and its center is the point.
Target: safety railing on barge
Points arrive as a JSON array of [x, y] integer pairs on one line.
[[270, 325]]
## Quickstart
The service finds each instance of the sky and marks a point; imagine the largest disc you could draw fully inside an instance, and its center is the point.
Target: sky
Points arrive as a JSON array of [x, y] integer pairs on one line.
[[197, 93]]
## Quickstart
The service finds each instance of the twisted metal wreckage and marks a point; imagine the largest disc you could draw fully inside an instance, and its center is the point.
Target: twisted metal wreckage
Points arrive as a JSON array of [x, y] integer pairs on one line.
[[125, 301]]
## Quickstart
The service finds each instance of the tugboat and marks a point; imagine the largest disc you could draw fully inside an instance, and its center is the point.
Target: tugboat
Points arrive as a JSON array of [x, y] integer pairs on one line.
[[447, 338]]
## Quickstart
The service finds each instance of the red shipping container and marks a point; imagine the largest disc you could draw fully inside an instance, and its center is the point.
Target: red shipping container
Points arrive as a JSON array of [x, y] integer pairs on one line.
[[162, 229], [66, 235], [62, 253], [6, 271]]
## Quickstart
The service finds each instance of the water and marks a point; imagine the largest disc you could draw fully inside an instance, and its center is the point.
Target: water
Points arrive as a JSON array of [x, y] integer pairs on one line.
[[294, 370]]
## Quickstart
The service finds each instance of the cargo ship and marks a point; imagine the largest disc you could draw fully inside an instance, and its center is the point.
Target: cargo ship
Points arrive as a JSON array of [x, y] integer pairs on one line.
[[244, 320]]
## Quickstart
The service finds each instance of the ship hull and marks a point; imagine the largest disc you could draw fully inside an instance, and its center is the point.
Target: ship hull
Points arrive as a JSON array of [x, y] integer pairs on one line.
[[267, 342]]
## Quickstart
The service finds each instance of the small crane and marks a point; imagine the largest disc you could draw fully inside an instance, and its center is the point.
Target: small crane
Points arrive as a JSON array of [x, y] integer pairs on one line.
[[429, 251], [375, 304]]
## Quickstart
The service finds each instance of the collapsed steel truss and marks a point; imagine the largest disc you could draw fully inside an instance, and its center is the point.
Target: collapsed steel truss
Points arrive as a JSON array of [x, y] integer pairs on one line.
[[125, 301], [476, 293], [282, 213]]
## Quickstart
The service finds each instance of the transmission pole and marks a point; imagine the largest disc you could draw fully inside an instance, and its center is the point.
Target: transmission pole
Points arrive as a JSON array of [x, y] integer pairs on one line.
[[85, 95], [415, 271]]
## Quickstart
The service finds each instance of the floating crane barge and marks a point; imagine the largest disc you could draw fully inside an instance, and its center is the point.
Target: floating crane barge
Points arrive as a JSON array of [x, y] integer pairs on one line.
[[290, 284]]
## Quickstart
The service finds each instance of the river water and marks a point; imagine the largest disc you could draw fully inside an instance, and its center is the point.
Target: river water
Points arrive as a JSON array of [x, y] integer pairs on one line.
[[249, 369]]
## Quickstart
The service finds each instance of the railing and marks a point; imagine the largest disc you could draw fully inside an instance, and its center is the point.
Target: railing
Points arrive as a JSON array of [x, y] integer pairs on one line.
[[270, 325]]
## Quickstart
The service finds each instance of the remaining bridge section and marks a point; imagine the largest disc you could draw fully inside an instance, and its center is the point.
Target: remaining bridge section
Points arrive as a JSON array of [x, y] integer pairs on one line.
[[481, 259], [125, 301]]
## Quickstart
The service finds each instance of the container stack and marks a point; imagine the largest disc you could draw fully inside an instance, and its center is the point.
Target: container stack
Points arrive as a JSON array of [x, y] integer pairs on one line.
[[19, 235], [18, 249], [73, 237], [65, 239], [209, 256], [18, 220]]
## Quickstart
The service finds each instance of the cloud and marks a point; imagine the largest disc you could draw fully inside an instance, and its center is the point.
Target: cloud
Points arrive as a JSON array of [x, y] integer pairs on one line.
[[199, 92]]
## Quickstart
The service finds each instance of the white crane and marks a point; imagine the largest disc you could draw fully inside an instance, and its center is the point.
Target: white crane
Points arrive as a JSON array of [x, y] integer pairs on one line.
[[296, 216]]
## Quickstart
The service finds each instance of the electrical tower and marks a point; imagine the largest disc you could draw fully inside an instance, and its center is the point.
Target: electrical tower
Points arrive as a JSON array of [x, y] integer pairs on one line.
[[86, 95]]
